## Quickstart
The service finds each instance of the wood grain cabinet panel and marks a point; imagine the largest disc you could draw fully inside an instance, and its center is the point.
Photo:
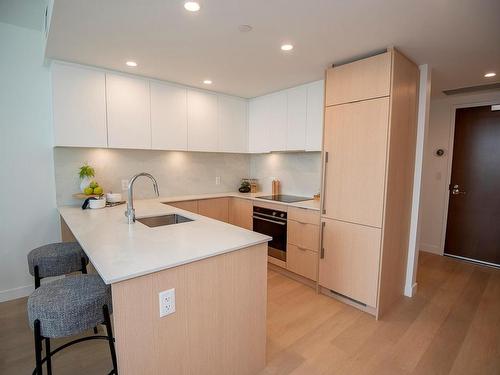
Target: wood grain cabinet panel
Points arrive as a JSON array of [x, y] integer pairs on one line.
[[360, 80], [303, 235], [303, 215], [216, 208], [240, 212], [191, 206], [351, 260], [356, 142], [302, 261]]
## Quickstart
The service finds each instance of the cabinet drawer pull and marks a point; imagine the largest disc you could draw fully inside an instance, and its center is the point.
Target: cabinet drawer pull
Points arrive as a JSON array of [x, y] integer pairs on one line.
[[322, 249], [301, 248]]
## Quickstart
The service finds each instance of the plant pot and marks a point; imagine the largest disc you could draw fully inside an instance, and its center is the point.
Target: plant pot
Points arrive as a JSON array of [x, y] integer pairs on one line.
[[84, 183]]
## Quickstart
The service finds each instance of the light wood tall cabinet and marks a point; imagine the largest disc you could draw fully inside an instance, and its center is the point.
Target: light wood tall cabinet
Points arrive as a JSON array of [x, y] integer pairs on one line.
[[369, 149]]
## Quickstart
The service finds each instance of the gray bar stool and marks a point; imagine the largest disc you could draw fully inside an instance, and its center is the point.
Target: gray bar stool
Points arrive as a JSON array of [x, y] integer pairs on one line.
[[67, 307], [56, 259]]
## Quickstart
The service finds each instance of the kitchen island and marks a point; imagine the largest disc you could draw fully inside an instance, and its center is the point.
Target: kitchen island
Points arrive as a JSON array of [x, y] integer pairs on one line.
[[218, 271]]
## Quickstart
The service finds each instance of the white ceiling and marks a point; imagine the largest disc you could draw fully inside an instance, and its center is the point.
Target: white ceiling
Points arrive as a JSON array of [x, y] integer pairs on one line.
[[460, 39]]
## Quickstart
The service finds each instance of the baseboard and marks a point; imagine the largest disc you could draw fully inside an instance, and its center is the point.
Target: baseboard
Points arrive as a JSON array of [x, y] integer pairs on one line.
[[428, 248], [15, 293], [410, 291]]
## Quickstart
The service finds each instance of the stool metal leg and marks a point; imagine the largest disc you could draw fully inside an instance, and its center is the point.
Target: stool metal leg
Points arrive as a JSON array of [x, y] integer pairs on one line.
[[38, 348], [84, 265], [107, 322], [47, 356], [37, 277]]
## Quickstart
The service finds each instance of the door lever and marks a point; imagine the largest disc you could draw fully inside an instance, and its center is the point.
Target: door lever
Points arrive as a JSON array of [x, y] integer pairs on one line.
[[456, 190]]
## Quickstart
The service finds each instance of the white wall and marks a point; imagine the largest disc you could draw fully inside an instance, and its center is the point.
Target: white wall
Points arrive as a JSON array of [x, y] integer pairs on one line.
[[28, 216], [299, 173], [436, 169], [177, 173]]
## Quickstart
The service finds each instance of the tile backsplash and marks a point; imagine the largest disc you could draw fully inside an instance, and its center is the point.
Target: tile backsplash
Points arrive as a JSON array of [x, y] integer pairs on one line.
[[184, 173]]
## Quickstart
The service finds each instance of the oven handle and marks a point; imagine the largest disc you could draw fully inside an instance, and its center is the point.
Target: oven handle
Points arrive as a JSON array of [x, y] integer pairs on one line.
[[269, 216], [271, 221]]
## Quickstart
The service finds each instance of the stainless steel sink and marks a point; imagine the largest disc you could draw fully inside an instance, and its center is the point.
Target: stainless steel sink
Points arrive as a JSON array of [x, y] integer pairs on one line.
[[158, 221]]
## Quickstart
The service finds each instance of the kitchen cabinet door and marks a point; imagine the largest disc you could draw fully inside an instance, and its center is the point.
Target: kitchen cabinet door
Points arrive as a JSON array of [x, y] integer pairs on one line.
[[350, 265], [233, 124], [356, 142], [128, 109], [296, 118], [258, 132], [191, 206], [203, 132], [302, 261], [168, 117], [360, 80], [240, 212], [79, 106], [315, 110], [267, 123], [216, 208]]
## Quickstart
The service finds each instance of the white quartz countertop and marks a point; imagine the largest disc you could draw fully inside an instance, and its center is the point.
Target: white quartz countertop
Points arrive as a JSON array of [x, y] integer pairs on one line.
[[120, 251], [310, 204]]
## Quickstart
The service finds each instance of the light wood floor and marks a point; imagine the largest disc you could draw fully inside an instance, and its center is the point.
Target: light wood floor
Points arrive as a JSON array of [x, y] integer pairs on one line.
[[452, 326]]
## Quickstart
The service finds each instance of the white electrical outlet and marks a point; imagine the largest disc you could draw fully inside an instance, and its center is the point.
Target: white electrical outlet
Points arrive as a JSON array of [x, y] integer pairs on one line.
[[167, 302], [124, 184], [217, 180]]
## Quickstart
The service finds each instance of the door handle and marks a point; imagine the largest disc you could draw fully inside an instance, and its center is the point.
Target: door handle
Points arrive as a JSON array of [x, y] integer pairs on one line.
[[322, 249], [455, 190], [323, 193]]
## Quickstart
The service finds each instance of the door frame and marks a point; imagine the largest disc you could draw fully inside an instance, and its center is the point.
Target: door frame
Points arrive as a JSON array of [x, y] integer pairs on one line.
[[451, 141]]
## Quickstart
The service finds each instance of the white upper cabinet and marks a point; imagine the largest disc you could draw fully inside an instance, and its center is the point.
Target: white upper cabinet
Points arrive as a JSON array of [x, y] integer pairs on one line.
[[315, 109], [233, 132], [203, 134], [168, 117], [296, 118], [267, 123], [128, 109], [79, 106]]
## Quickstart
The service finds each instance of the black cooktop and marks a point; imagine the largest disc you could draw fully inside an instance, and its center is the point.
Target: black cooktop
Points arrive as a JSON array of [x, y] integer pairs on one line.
[[285, 198]]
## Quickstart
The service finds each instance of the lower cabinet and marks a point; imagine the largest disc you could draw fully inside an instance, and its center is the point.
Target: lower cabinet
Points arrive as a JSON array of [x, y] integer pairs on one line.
[[350, 265], [215, 208], [191, 206], [240, 212], [302, 261]]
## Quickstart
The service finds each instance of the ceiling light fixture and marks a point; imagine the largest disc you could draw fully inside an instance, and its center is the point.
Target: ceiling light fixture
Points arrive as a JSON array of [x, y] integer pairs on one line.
[[192, 6], [489, 75], [207, 82], [286, 47], [131, 63]]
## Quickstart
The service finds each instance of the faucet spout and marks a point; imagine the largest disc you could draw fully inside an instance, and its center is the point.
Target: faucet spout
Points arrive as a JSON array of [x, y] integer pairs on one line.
[[130, 213]]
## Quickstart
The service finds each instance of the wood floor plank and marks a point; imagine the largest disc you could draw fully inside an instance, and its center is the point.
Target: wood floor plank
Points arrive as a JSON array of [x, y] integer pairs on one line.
[[451, 326]]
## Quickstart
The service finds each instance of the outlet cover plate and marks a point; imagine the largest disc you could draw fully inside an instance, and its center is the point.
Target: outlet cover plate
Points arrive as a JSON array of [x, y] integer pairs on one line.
[[167, 302]]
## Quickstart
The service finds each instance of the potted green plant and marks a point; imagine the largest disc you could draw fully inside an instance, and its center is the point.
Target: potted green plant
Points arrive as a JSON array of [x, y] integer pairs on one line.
[[86, 174]]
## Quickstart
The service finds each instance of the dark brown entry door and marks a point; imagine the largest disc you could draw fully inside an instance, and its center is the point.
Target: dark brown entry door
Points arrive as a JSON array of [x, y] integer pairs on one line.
[[473, 229]]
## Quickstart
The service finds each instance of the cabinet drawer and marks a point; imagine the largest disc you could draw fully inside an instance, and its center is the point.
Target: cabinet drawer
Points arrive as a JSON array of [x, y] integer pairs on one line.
[[302, 262], [360, 80], [303, 235], [303, 215]]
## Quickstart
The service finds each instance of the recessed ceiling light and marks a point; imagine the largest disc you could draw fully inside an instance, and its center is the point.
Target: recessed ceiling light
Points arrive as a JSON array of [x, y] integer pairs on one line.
[[489, 75], [131, 63], [245, 28], [192, 6], [286, 47], [207, 81]]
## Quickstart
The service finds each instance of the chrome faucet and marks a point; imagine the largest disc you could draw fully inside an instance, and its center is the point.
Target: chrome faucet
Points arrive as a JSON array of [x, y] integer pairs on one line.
[[130, 213]]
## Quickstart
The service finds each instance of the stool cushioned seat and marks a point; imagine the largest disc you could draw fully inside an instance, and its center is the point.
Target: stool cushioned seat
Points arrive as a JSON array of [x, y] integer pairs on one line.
[[56, 259], [70, 305]]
